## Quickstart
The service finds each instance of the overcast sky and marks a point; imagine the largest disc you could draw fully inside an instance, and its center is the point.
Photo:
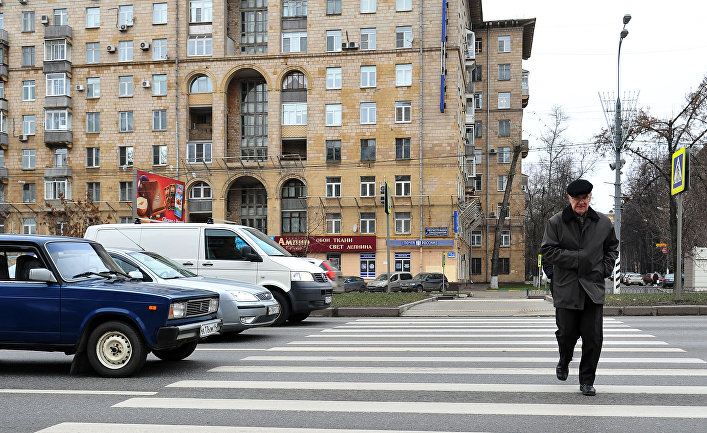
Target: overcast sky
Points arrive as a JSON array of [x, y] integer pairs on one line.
[[574, 58]]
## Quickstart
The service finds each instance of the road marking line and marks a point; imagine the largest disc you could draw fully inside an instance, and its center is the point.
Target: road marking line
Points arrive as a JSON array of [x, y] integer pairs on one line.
[[459, 335], [464, 343], [466, 320], [564, 410], [465, 330], [475, 359], [462, 349], [74, 427], [471, 326], [73, 392]]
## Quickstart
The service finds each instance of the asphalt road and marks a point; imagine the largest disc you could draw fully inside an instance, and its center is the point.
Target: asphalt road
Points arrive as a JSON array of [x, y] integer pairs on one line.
[[492, 374]]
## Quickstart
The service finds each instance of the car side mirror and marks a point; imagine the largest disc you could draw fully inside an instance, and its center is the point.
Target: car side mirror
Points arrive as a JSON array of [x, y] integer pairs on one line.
[[250, 255], [136, 275], [42, 274]]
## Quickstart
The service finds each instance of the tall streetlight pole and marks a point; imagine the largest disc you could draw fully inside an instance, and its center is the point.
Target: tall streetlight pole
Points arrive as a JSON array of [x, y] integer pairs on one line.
[[618, 139]]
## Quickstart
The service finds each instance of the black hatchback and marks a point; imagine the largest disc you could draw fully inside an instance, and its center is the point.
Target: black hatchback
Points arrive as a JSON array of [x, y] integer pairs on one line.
[[430, 281]]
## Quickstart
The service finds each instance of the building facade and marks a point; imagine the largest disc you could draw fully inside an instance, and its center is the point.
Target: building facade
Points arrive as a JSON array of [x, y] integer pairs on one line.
[[284, 115]]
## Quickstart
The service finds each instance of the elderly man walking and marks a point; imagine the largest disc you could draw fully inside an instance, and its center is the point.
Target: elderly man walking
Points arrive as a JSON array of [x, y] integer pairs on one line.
[[582, 247]]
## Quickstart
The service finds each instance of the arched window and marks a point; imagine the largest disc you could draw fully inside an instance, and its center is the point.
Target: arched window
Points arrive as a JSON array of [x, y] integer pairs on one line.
[[201, 84], [294, 207], [294, 189], [295, 80], [200, 190]]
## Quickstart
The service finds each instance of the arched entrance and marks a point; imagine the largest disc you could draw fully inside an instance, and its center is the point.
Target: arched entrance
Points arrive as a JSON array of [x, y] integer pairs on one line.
[[247, 203]]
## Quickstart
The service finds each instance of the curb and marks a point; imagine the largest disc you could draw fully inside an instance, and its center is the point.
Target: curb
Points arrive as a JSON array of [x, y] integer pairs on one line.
[[658, 310], [368, 311]]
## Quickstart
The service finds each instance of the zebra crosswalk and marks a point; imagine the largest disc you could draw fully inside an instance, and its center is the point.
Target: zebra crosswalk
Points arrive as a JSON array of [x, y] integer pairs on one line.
[[411, 375]]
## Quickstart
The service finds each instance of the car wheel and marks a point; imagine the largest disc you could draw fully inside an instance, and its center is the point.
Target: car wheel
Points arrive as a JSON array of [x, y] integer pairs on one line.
[[115, 349], [177, 354], [298, 317], [418, 289], [284, 308]]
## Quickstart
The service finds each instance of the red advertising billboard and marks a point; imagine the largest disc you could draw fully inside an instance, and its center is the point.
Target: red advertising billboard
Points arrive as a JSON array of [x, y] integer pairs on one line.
[[159, 198], [318, 244]]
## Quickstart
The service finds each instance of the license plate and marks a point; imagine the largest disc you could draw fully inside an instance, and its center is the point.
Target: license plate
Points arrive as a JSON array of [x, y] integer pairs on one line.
[[327, 300], [209, 329], [273, 309]]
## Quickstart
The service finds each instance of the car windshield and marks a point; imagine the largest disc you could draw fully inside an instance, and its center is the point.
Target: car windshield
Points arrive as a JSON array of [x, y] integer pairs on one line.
[[382, 277], [269, 246], [162, 266], [74, 258], [420, 277]]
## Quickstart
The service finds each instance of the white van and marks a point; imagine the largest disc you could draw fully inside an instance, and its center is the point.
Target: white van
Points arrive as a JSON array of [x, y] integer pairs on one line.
[[232, 252]]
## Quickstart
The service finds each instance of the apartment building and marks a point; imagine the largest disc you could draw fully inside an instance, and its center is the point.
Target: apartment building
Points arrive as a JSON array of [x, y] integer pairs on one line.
[[288, 116]]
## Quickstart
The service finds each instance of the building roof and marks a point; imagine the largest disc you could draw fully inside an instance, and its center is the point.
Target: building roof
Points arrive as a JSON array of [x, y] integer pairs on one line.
[[478, 23]]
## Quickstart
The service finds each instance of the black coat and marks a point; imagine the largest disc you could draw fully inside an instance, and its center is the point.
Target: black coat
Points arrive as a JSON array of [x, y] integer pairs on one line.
[[582, 258]]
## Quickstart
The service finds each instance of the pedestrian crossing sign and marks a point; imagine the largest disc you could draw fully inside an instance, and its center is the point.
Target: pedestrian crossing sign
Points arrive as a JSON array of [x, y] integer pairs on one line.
[[680, 172]]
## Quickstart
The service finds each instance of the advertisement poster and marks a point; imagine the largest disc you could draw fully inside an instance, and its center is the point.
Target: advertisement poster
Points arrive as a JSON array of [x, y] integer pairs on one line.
[[159, 198]]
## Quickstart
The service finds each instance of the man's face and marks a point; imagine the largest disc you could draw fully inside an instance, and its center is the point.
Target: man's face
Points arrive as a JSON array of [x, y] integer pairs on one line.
[[580, 203]]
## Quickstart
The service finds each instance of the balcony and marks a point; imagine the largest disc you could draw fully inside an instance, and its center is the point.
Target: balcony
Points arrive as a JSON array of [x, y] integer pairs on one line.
[[4, 37], [3, 173], [58, 138], [3, 72], [3, 139], [57, 172], [199, 205], [62, 101], [57, 32], [56, 66], [524, 88], [3, 104]]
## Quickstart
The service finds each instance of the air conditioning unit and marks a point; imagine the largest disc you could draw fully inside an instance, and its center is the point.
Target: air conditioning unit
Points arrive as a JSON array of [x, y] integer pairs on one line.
[[123, 27], [353, 45], [79, 88], [144, 45], [44, 20], [492, 151], [145, 84], [344, 45], [524, 188], [110, 48], [23, 137]]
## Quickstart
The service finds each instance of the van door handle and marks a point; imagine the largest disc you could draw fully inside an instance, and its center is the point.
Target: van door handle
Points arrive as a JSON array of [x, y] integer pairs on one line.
[[207, 264], [188, 264]]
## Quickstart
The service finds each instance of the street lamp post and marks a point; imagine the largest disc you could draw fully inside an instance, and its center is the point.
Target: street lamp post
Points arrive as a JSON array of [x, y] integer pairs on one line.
[[618, 139]]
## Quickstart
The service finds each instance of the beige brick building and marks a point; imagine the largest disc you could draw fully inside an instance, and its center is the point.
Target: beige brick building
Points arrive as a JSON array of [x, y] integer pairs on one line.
[[280, 114]]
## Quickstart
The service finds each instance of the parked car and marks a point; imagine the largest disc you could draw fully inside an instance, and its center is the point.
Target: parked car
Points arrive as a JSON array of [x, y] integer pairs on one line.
[[241, 305], [669, 280], [354, 284], [648, 279], [67, 295], [379, 284], [428, 281], [400, 281], [633, 278], [331, 271]]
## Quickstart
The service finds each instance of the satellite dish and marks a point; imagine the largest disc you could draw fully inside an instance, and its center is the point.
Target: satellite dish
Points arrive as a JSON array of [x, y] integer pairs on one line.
[[355, 228]]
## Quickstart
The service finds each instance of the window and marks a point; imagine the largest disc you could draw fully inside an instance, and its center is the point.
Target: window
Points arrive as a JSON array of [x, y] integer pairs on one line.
[[93, 88], [57, 85], [368, 6], [504, 72], [402, 186], [254, 27], [125, 192], [200, 11], [159, 155], [200, 190], [502, 181], [368, 39], [333, 7], [57, 120], [294, 113], [333, 150], [125, 123], [368, 223], [333, 223], [93, 123], [28, 124], [2, 90], [504, 128], [368, 113], [125, 15], [367, 264], [333, 40], [93, 52], [61, 157], [125, 51], [28, 90], [93, 156], [56, 189], [294, 8], [159, 85], [2, 23], [477, 74], [159, 49], [125, 156], [55, 49], [475, 266], [403, 5], [503, 212], [28, 21], [504, 44], [504, 266], [29, 226], [198, 152], [93, 18], [368, 149], [294, 42], [478, 45], [402, 148], [478, 182], [402, 222], [159, 120], [504, 100], [28, 159], [201, 84], [125, 86], [93, 191], [159, 13], [403, 112], [504, 155], [333, 115], [478, 101], [27, 56], [403, 37], [294, 221], [368, 186], [368, 76], [476, 239], [60, 17], [199, 45], [28, 193], [403, 74], [333, 187], [478, 129], [333, 78]]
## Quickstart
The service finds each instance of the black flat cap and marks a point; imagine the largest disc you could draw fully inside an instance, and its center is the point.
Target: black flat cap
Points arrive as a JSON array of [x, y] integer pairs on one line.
[[579, 187]]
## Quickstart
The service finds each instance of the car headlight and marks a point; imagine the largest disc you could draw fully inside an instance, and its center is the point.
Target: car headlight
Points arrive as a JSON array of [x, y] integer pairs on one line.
[[213, 305], [177, 310], [301, 276], [242, 296]]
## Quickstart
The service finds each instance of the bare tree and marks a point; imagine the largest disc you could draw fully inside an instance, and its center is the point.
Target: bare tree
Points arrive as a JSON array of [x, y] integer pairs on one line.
[[72, 218]]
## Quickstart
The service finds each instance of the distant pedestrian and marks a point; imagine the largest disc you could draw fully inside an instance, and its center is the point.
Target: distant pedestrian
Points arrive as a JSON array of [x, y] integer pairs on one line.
[[582, 247], [655, 278]]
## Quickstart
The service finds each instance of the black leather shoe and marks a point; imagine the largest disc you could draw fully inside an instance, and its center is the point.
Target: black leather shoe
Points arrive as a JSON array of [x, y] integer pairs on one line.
[[562, 372], [587, 389]]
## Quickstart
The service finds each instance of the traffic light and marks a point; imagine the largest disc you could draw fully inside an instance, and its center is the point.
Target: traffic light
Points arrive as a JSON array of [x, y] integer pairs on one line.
[[385, 198]]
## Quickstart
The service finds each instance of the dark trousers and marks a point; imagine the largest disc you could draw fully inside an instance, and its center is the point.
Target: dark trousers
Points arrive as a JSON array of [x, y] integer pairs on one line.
[[588, 324]]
